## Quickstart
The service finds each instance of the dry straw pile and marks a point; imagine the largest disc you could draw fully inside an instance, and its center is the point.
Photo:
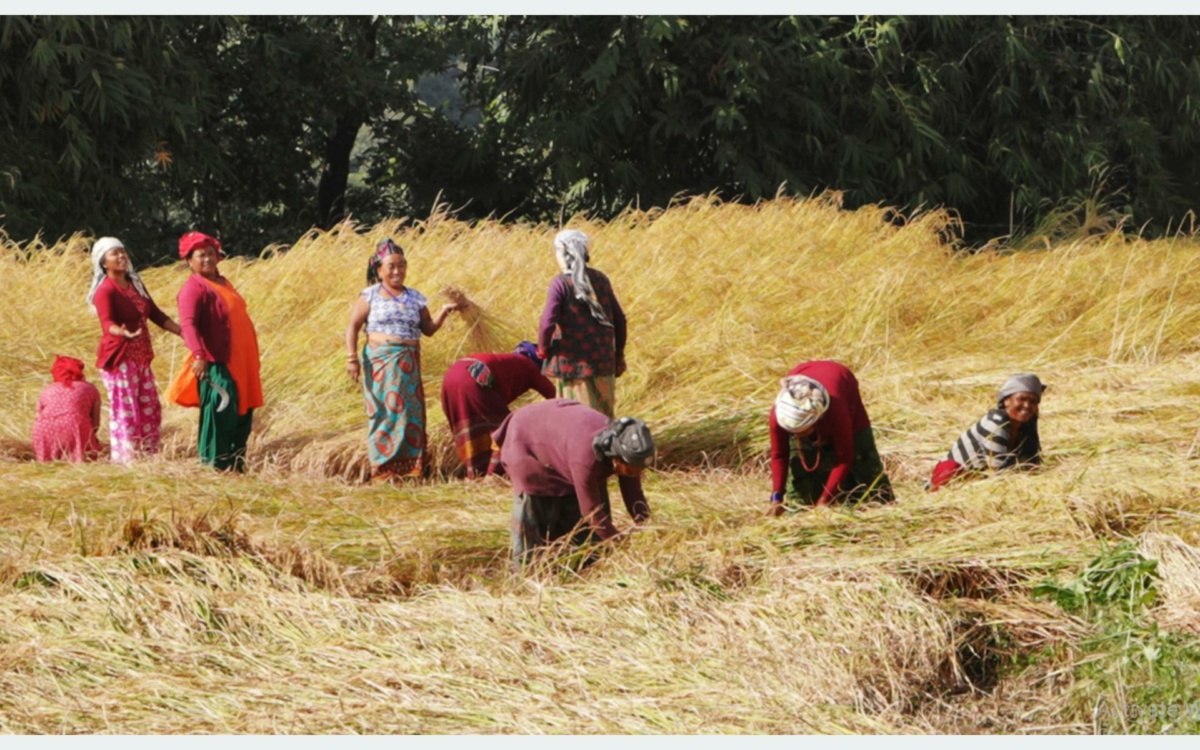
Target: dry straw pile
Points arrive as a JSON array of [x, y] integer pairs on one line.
[[165, 598]]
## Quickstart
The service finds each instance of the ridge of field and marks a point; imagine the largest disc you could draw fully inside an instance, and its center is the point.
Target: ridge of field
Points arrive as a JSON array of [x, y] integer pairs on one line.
[[165, 598]]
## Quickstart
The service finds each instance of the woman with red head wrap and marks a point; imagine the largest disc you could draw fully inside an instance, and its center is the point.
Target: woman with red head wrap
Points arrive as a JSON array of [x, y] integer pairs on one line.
[[222, 375], [68, 415]]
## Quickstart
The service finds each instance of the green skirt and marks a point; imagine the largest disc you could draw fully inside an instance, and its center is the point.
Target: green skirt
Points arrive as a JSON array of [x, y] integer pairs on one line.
[[540, 521], [866, 482]]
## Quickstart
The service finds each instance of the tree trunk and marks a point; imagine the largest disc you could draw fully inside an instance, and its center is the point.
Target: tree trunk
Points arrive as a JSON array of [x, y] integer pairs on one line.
[[331, 189]]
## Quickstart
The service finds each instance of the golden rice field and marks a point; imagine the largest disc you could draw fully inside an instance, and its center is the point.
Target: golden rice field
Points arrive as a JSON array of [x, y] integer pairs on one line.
[[165, 598]]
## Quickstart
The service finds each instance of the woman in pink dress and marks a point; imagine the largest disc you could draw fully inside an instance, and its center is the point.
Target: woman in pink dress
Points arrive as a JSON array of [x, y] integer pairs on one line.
[[68, 415], [124, 307]]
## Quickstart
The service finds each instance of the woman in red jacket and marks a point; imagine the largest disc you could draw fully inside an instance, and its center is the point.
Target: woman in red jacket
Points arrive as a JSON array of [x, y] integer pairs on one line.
[[476, 392], [121, 302], [835, 456]]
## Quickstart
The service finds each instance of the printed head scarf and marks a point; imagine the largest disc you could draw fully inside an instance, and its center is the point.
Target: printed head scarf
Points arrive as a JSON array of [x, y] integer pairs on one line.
[[66, 370], [382, 250], [1024, 383], [627, 439], [195, 240], [571, 251], [99, 250], [800, 403], [528, 350]]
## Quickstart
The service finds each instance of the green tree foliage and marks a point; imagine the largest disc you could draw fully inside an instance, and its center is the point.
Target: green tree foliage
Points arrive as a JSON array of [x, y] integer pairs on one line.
[[999, 117], [85, 108], [275, 155], [260, 128], [240, 126]]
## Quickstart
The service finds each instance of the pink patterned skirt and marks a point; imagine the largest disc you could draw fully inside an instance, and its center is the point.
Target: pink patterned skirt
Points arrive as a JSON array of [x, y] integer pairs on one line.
[[135, 413]]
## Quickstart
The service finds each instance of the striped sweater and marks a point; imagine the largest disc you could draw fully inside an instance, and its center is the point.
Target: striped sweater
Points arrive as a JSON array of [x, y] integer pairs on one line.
[[987, 444]]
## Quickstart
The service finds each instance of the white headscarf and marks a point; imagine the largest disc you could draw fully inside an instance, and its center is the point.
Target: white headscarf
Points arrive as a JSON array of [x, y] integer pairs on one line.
[[800, 403], [571, 251], [99, 250]]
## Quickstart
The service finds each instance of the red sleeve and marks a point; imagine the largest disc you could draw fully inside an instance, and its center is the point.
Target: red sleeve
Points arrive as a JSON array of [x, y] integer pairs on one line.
[[781, 443], [554, 300], [104, 306], [589, 481], [542, 385], [534, 379], [838, 426], [189, 310], [634, 498]]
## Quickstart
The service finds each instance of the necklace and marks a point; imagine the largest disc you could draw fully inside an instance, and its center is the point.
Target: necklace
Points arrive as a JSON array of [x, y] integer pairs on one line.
[[800, 453]]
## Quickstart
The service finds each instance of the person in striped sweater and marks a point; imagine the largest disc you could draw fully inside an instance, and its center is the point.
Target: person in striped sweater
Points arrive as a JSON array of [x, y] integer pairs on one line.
[[1004, 438]]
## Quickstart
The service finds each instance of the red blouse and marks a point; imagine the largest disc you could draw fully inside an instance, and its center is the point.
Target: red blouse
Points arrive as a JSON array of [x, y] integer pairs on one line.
[[124, 307], [845, 418]]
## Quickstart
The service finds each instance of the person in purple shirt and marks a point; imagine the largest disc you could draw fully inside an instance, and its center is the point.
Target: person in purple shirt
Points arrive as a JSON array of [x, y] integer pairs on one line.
[[559, 455], [582, 333]]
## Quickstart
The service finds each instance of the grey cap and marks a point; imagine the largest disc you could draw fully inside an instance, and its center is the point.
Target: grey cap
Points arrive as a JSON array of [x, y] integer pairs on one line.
[[1026, 382]]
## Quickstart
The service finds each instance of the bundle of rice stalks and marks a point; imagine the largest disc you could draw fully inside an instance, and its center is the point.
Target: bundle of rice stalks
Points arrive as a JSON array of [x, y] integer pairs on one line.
[[14, 449], [200, 536], [340, 457], [1179, 582], [484, 332]]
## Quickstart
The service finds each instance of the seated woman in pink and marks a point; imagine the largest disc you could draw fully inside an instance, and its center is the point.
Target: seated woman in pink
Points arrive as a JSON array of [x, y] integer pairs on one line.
[[68, 415]]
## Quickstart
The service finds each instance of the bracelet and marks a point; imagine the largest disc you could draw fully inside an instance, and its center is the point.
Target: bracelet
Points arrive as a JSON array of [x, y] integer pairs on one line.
[[776, 497]]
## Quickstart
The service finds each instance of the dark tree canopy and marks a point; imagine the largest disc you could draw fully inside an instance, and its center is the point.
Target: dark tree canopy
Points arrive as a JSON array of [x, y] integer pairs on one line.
[[260, 128]]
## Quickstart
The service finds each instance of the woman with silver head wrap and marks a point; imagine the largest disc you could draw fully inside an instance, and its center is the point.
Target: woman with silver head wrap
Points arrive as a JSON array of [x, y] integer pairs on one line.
[[835, 457], [120, 301], [1004, 438], [583, 331]]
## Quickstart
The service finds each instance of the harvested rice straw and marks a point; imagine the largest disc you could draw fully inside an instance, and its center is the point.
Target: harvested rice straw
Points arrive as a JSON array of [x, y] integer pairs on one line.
[[1179, 587], [485, 333]]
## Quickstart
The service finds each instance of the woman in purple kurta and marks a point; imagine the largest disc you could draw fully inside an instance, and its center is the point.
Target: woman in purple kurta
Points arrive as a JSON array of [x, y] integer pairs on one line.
[[560, 454], [582, 333]]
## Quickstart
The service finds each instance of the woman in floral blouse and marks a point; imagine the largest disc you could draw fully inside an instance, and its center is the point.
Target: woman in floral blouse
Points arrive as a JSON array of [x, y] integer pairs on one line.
[[582, 333]]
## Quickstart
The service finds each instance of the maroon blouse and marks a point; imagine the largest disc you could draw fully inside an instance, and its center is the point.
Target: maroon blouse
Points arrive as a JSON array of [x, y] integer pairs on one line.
[[576, 345]]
